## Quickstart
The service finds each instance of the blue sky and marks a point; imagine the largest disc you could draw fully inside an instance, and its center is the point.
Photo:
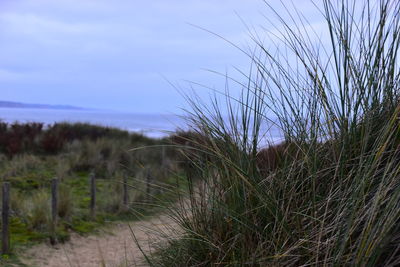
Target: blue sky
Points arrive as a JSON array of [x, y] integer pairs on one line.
[[119, 54]]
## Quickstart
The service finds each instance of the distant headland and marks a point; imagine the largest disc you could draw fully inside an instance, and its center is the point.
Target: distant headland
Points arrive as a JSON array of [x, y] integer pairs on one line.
[[11, 104]]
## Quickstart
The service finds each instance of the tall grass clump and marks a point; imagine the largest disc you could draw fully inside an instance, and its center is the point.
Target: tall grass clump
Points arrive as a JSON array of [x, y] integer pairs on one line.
[[329, 194]]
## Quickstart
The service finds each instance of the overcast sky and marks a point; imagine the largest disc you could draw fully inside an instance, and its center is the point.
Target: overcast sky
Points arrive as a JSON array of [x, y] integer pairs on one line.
[[119, 54]]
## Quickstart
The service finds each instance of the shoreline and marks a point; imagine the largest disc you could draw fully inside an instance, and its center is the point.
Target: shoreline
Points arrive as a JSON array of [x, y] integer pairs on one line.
[[150, 125]]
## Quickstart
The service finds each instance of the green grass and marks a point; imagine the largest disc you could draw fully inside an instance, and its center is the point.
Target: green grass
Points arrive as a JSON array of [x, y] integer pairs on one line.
[[106, 152]]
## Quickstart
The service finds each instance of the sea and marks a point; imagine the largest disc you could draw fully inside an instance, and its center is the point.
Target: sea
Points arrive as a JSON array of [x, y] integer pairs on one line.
[[152, 125]]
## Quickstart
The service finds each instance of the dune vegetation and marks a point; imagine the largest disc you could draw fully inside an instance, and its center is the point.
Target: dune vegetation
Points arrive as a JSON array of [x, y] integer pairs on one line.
[[329, 195], [32, 154]]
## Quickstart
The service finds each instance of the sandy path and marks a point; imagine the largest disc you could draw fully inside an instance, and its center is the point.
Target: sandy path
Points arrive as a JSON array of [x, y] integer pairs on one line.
[[113, 246]]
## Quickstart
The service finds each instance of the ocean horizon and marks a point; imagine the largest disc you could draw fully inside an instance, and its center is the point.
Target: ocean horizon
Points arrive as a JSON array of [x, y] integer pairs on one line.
[[152, 125]]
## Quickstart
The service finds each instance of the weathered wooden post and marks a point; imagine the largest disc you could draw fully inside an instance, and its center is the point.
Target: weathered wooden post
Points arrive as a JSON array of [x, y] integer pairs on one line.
[[5, 233], [92, 179], [164, 169], [54, 210], [163, 157], [54, 200], [148, 184], [125, 191]]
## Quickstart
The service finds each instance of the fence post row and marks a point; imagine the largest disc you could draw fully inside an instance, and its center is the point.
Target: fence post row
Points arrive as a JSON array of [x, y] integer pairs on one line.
[[5, 234], [5, 212]]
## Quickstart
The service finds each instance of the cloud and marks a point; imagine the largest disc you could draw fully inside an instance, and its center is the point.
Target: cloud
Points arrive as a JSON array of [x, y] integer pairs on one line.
[[122, 46], [32, 24], [6, 75]]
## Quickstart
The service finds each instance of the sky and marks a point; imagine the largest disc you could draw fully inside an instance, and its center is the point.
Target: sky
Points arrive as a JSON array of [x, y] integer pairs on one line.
[[125, 55]]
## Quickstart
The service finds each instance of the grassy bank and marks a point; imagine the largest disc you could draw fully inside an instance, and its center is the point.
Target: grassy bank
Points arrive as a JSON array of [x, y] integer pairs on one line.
[[31, 155], [329, 195]]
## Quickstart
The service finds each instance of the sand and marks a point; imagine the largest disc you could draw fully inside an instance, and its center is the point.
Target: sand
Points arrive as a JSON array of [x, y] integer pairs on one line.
[[113, 246]]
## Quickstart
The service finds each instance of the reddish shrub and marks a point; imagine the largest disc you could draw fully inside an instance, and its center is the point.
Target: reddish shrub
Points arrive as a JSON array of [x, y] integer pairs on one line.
[[52, 143]]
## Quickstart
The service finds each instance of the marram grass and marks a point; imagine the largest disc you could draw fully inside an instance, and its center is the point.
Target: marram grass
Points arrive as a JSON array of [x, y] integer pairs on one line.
[[330, 194]]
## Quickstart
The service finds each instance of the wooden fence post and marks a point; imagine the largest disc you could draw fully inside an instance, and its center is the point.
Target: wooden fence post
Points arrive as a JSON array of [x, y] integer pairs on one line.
[[54, 210], [163, 157], [92, 179], [148, 185], [125, 191], [5, 233]]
